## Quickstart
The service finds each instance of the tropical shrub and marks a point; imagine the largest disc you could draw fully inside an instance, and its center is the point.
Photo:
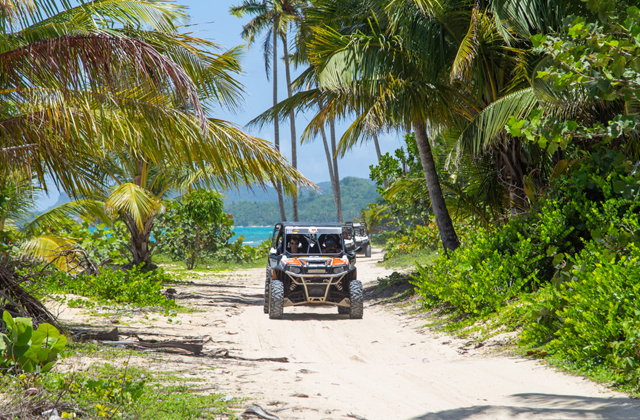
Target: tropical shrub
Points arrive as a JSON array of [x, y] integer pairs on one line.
[[591, 315], [102, 244], [135, 287], [408, 241], [24, 350], [194, 228], [496, 265], [238, 252]]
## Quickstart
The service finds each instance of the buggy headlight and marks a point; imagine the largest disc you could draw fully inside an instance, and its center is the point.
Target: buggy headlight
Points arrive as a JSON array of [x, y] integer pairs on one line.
[[337, 270], [295, 270]]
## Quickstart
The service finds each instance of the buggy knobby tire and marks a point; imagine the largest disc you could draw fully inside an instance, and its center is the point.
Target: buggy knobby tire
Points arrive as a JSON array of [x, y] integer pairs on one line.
[[276, 301], [266, 295], [343, 310], [355, 295], [367, 251]]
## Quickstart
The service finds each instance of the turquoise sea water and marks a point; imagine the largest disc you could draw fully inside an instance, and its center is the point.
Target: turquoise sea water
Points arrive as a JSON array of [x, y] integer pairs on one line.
[[253, 235]]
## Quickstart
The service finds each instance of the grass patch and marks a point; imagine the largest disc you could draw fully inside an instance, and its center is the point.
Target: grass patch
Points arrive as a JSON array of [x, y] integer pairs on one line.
[[401, 261], [113, 390], [132, 288]]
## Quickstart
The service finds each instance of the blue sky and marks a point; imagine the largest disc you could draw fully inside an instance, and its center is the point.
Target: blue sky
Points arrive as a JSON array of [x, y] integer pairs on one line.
[[214, 23]]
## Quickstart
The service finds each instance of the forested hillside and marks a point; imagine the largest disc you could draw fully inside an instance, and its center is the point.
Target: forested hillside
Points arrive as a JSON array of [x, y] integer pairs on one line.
[[314, 206]]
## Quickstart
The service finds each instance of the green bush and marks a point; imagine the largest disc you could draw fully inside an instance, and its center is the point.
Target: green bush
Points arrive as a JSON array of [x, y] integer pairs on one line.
[[194, 229], [238, 252], [592, 314], [102, 244], [134, 287], [567, 272], [24, 350], [494, 266], [408, 241]]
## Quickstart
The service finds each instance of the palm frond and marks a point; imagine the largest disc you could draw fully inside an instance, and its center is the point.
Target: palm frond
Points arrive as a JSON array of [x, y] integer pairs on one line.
[[483, 130], [51, 249], [58, 216], [134, 201]]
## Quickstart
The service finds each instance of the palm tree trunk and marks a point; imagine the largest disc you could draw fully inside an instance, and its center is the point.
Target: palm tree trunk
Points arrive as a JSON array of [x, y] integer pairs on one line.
[[445, 226], [337, 195], [377, 144], [276, 126], [332, 176], [512, 168], [385, 182], [292, 123], [141, 245]]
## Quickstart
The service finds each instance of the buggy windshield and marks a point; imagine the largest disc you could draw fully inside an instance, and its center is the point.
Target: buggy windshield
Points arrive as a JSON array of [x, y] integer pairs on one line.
[[301, 240]]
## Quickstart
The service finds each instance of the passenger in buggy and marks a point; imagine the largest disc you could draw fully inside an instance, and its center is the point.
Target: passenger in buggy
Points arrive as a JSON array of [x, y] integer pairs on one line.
[[297, 244]]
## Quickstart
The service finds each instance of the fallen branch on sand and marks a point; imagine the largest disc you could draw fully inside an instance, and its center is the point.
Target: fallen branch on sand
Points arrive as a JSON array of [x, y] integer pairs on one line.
[[260, 412], [224, 354], [194, 348], [112, 338], [111, 335]]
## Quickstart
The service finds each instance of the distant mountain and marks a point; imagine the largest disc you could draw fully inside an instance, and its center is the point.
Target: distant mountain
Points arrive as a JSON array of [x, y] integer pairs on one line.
[[312, 206], [63, 198], [257, 194], [260, 206], [268, 194]]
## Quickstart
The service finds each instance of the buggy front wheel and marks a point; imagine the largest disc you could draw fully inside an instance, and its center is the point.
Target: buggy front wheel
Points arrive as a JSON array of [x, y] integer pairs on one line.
[[357, 300], [276, 301], [266, 295], [367, 251]]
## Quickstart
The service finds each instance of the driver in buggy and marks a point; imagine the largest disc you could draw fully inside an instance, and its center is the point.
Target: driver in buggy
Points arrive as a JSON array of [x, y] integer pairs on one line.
[[332, 244]]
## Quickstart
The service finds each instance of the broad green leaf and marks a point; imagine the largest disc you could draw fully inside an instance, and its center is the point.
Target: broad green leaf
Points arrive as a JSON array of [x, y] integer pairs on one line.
[[559, 169], [8, 319]]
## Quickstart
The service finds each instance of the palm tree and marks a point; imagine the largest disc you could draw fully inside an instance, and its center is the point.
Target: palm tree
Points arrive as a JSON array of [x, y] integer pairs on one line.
[[365, 68], [276, 17], [66, 71], [136, 188], [85, 83]]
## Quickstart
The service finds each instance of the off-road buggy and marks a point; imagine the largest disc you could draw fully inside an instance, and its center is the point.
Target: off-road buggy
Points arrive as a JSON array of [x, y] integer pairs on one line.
[[310, 265], [357, 237]]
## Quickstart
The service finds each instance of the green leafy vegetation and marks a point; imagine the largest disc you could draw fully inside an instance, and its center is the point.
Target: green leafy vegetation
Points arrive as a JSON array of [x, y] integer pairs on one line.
[[25, 350], [136, 287], [114, 391], [193, 228], [565, 273]]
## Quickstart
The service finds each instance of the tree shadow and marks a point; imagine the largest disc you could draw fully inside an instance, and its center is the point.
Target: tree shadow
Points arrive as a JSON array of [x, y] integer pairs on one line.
[[315, 316], [546, 406]]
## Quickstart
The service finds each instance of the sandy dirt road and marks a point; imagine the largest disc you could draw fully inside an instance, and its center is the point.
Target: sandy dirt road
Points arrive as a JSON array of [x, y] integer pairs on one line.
[[383, 367]]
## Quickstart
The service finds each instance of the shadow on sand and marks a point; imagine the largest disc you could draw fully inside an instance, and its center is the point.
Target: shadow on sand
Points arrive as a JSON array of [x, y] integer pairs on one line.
[[546, 406]]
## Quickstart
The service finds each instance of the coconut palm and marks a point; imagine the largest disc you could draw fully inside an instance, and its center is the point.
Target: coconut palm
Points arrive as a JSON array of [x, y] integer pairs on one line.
[[276, 17], [139, 187], [66, 70], [111, 77], [366, 69]]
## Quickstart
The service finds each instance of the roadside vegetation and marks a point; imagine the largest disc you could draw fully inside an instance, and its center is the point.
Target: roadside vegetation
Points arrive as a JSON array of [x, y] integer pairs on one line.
[[551, 252], [109, 388]]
